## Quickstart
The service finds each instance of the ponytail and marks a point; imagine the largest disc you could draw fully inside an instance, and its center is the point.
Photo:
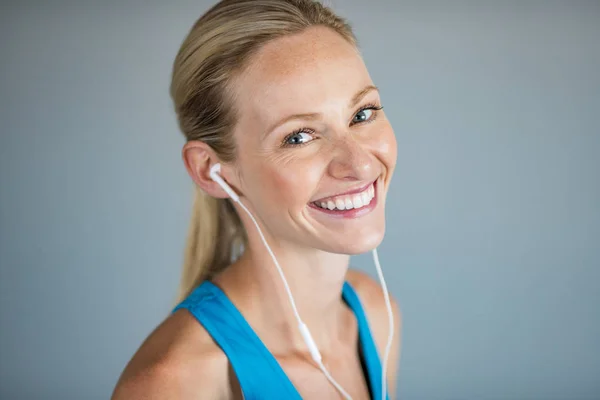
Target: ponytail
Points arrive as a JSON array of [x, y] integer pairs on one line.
[[215, 238]]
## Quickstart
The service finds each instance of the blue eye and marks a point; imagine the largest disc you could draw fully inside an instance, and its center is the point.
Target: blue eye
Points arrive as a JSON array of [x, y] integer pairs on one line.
[[302, 136], [298, 138], [363, 115]]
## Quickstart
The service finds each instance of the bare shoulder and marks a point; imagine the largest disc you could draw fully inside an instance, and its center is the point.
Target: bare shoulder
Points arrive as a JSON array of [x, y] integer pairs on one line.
[[178, 360], [371, 297]]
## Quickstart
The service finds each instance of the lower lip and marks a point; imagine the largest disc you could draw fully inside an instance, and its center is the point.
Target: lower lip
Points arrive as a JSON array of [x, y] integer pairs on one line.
[[353, 213]]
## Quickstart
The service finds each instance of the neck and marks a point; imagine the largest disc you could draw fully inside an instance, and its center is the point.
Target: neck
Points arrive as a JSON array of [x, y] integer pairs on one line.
[[315, 279]]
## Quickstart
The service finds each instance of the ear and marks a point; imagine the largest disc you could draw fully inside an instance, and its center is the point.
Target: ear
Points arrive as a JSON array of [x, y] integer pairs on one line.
[[198, 157]]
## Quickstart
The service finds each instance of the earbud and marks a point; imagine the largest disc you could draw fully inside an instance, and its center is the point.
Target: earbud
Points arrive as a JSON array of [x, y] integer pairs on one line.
[[214, 175]]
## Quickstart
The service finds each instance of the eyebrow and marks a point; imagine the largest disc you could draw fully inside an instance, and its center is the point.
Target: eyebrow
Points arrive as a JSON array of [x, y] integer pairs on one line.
[[313, 116], [358, 96]]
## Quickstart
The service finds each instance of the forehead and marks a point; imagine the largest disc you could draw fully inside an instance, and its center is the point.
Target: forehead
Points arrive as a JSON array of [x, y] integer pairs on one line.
[[298, 73]]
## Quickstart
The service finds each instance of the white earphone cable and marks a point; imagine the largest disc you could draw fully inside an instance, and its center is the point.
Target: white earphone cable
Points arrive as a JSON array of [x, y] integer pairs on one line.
[[310, 342], [390, 313], [287, 287], [333, 382], [303, 328], [316, 355]]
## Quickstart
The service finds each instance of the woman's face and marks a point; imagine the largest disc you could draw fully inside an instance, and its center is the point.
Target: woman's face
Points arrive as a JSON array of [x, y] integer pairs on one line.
[[315, 156]]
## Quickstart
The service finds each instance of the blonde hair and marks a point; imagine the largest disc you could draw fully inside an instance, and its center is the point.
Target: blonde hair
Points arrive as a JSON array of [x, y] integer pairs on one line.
[[215, 51]]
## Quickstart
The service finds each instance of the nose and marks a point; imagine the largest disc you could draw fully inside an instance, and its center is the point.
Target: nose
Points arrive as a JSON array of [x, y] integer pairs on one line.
[[351, 160]]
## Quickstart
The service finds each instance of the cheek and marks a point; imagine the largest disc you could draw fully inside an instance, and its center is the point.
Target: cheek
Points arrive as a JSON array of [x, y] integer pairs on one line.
[[279, 180], [293, 185]]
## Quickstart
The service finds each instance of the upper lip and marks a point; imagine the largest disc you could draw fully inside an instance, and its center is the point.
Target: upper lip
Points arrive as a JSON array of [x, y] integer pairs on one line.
[[349, 192]]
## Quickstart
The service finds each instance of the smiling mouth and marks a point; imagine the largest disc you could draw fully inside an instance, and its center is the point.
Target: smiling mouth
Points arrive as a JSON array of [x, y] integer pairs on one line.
[[353, 201]]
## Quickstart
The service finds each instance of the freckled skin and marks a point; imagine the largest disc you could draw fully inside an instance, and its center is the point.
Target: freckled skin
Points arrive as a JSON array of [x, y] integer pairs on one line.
[[317, 71]]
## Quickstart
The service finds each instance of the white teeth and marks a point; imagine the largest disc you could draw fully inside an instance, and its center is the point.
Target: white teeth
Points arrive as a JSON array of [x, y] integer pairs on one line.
[[349, 202], [349, 205], [357, 201], [340, 204], [366, 198]]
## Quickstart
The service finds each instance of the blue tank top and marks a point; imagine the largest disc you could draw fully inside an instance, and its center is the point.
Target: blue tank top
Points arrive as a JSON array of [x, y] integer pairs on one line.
[[258, 372]]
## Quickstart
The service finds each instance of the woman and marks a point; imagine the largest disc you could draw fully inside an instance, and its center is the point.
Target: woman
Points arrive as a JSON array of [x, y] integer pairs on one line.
[[276, 92]]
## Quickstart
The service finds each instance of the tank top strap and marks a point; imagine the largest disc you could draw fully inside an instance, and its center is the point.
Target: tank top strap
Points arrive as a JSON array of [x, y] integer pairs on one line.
[[258, 372], [367, 344]]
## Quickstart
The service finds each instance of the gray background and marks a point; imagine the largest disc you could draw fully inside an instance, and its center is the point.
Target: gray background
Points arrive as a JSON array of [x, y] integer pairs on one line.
[[493, 237]]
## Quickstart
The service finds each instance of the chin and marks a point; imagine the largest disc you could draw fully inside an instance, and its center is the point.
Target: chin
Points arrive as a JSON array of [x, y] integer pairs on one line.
[[357, 244]]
